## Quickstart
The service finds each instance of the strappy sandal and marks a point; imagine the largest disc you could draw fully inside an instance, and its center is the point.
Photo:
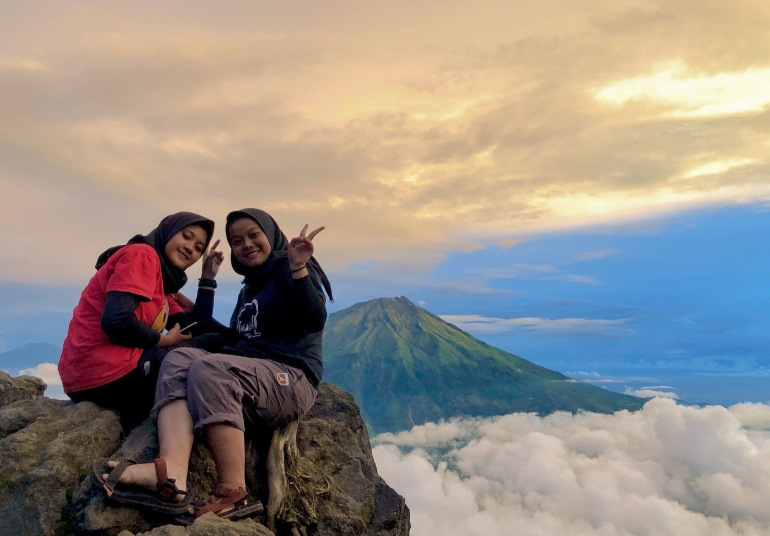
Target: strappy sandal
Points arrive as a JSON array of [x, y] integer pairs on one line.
[[160, 501], [229, 503]]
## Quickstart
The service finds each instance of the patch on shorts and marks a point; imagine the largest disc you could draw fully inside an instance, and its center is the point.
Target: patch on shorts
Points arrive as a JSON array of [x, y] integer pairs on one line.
[[282, 377]]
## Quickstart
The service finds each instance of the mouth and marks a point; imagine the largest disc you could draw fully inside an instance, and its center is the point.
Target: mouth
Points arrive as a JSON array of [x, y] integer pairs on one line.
[[252, 256], [184, 255]]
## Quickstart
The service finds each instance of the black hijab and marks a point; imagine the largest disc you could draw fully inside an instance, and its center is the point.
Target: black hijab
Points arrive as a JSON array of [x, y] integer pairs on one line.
[[173, 278], [258, 276]]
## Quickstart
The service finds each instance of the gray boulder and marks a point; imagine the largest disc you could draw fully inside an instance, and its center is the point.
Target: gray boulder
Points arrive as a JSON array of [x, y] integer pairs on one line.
[[208, 525], [47, 446], [19, 388], [45, 450]]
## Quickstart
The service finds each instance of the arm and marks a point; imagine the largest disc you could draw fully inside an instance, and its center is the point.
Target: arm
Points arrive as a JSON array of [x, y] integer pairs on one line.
[[123, 327], [309, 304], [202, 311], [308, 301], [121, 324]]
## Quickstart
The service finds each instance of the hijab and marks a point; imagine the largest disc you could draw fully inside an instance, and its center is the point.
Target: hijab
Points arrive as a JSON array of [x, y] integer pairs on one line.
[[258, 276], [173, 278]]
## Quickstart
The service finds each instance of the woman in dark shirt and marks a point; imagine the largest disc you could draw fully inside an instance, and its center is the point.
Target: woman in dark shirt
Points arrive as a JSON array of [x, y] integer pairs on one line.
[[269, 372]]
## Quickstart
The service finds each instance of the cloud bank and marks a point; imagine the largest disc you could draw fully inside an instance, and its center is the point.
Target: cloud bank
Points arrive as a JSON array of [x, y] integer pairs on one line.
[[664, 470], [559, 327], [409, 131]]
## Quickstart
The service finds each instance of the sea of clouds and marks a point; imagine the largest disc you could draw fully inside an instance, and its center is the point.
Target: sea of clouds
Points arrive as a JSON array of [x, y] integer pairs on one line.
[[667, 469]]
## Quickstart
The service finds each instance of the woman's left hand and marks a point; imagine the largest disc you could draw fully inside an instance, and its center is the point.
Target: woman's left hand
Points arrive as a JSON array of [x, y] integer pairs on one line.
[[212, 260], [301, 248]]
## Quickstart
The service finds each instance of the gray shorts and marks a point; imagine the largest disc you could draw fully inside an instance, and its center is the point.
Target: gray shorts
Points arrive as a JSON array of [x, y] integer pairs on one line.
[[229, 389]]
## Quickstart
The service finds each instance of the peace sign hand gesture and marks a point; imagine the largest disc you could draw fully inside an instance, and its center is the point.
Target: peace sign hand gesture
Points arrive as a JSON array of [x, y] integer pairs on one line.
[[300, 250], [212, 260]]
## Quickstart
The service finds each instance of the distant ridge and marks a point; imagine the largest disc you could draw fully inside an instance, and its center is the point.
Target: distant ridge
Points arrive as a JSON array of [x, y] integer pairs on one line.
[[28, 356], [406, 366]]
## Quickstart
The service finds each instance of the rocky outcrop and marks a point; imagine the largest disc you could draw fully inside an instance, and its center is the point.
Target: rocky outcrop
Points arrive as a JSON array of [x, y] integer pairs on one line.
[[45, 451], [208, 525], [46, 447], [19, 388], [335, 487]]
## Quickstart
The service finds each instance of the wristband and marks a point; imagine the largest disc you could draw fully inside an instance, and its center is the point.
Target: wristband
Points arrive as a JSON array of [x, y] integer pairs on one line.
[[298, 269], [209, 283]]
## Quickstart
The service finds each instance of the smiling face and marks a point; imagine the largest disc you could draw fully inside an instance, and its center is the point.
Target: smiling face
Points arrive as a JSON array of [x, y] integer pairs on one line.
[[248, 242], [186, 247]]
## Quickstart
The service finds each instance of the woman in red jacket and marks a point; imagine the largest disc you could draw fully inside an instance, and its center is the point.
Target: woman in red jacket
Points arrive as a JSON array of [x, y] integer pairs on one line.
[[115, 340]]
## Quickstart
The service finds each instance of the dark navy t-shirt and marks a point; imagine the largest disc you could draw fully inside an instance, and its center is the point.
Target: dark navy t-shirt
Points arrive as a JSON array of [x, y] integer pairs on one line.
[[282, 321]]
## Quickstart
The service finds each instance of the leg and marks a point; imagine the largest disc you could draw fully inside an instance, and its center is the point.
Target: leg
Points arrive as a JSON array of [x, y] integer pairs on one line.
[[175, 433], [226, 444], [175, 425], [215, 397]]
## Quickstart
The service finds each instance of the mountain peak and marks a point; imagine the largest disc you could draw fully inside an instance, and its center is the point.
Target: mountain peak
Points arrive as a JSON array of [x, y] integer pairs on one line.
[[407, 366]]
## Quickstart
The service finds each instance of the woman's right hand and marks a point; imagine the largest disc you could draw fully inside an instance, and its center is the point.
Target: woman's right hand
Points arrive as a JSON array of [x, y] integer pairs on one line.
[[212, 260], [173, 336]]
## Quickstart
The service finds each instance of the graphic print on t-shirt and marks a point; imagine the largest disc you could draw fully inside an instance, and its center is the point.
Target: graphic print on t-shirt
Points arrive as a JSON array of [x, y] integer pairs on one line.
[[247, 320], [159, 324]]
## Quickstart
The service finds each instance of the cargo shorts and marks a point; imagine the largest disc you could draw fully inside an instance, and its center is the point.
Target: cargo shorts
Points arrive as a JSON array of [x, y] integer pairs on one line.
[[231, 389]]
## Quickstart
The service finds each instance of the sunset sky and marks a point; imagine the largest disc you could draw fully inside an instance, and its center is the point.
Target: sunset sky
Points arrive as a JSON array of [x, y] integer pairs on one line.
[[585, 184]]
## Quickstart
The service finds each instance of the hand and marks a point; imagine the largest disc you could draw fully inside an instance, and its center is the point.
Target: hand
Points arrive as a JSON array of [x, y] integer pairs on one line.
[[212, 260], [301, 248], [173, 336], [184, 302]]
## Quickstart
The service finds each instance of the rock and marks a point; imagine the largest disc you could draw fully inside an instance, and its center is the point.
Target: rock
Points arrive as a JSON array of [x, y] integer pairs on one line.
[[209, 525], [19, 388], [46, 447], [90, 512], [335, 488]]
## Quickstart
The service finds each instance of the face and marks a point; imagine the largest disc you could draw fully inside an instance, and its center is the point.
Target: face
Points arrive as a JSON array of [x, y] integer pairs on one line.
[[186, 247], [248, 242]]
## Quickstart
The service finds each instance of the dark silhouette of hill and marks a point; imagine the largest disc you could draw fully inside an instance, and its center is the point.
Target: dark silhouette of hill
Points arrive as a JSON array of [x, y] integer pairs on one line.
[[28, 356], [406, 366]]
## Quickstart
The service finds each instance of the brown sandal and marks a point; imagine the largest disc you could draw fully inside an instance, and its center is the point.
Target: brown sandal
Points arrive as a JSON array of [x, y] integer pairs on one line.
[[229, 503], [162, 500]]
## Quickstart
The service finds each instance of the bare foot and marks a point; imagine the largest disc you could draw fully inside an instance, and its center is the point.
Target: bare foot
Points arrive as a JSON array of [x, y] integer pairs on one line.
[[144, 475]]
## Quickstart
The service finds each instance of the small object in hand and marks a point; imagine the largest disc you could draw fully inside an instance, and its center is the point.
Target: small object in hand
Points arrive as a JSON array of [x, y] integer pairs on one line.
[[185, 329]]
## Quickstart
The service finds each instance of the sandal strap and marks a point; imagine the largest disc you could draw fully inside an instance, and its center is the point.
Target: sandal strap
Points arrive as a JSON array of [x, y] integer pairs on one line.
[[223, 498], [226, 492], [161, 471], [115, 474], [166, 487]]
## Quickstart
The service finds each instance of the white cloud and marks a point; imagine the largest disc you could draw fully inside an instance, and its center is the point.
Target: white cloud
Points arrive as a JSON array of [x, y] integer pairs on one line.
[[664, 470], [404, 122], [49, 373], [718, 166], [561, 327], [590, 255], [592, 377], [650, 392], [724, 93]]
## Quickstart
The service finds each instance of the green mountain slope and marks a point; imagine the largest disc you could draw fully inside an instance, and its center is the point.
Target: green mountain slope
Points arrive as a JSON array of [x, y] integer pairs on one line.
[[406, 366]]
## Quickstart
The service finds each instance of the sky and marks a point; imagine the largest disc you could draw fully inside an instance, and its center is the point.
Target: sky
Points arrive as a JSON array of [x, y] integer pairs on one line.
[[584, 184]]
